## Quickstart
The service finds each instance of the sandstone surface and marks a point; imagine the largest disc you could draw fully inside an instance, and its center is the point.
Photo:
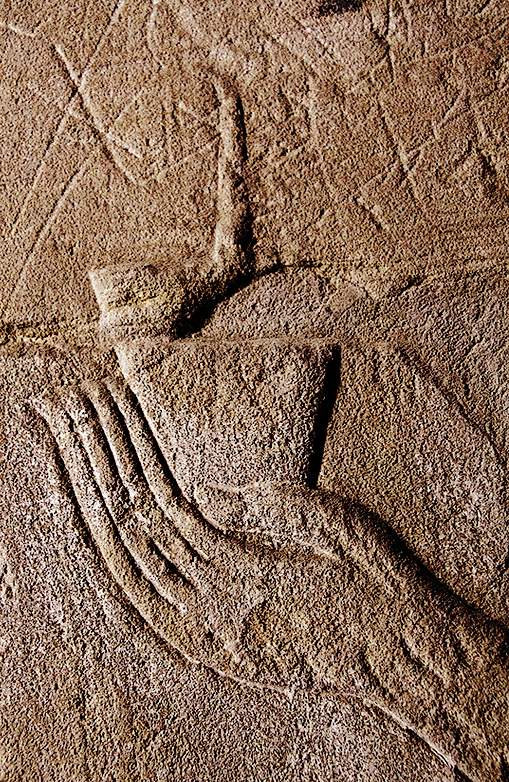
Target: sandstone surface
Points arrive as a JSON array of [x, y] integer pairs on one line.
[[254, 390]]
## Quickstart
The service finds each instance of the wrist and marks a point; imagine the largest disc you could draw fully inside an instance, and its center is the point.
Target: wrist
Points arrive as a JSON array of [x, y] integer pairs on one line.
[[137, 301]]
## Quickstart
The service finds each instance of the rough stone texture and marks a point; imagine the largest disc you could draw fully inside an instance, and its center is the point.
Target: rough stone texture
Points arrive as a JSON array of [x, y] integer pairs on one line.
[[254, 390]]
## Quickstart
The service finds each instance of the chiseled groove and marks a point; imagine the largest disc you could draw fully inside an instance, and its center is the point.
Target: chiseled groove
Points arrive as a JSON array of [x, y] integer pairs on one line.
[[323, 416], [186, 519], [420, 735], [136, 541], [165, 619], [158, 526], [124, 454], [167, 559]]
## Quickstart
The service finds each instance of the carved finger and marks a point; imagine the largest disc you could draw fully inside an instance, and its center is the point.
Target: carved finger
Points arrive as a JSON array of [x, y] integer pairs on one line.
[[154, 521], [151, 562], [126, 460], [165, 618], [152, 565], [202, 537]]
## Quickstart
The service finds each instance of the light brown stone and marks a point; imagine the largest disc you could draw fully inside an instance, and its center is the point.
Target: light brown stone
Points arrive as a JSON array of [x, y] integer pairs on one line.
[[254, 391]]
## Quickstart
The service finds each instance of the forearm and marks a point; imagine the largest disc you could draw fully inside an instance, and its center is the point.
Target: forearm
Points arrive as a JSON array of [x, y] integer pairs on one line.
[[378, 621]]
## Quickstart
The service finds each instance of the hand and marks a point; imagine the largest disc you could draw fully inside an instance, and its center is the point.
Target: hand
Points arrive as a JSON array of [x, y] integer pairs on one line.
[[322, 595], [194, 586]]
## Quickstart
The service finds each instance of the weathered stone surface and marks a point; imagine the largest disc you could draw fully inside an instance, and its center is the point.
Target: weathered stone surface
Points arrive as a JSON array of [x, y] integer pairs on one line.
[[254, 391], [399, 447]]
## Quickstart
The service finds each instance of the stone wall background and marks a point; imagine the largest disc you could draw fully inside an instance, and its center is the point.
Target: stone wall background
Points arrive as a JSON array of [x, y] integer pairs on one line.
[[387, 168]]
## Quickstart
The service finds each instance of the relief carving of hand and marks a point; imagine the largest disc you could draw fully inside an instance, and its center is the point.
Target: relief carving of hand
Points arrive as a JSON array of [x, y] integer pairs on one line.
[[292, 586], [321, 596]]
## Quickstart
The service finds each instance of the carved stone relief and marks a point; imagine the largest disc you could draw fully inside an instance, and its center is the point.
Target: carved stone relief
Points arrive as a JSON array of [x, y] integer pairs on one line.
[[254, 389]]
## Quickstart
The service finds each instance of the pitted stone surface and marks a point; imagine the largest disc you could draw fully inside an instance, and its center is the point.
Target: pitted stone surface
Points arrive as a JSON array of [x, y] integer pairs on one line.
[[253, 374]]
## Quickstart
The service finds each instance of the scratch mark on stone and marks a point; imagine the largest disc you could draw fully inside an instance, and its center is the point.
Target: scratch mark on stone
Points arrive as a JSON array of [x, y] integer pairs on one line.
[[449, 114], [315, 135], [44, 231], [67, 65], [413, 361], [381, 35], [314, 38], [387, 15], [143, 90], [149, 36], [40, 169], [77, 110], [486, 147], [112, 152], [119, 7], [282, 161], [481, 37], [395, 164], [374, 214], [78, 84], [19, 31], [296, 38], [410, 729], [408, 18], [401, 153], [96, 126], [175, 164], [123, 145]]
